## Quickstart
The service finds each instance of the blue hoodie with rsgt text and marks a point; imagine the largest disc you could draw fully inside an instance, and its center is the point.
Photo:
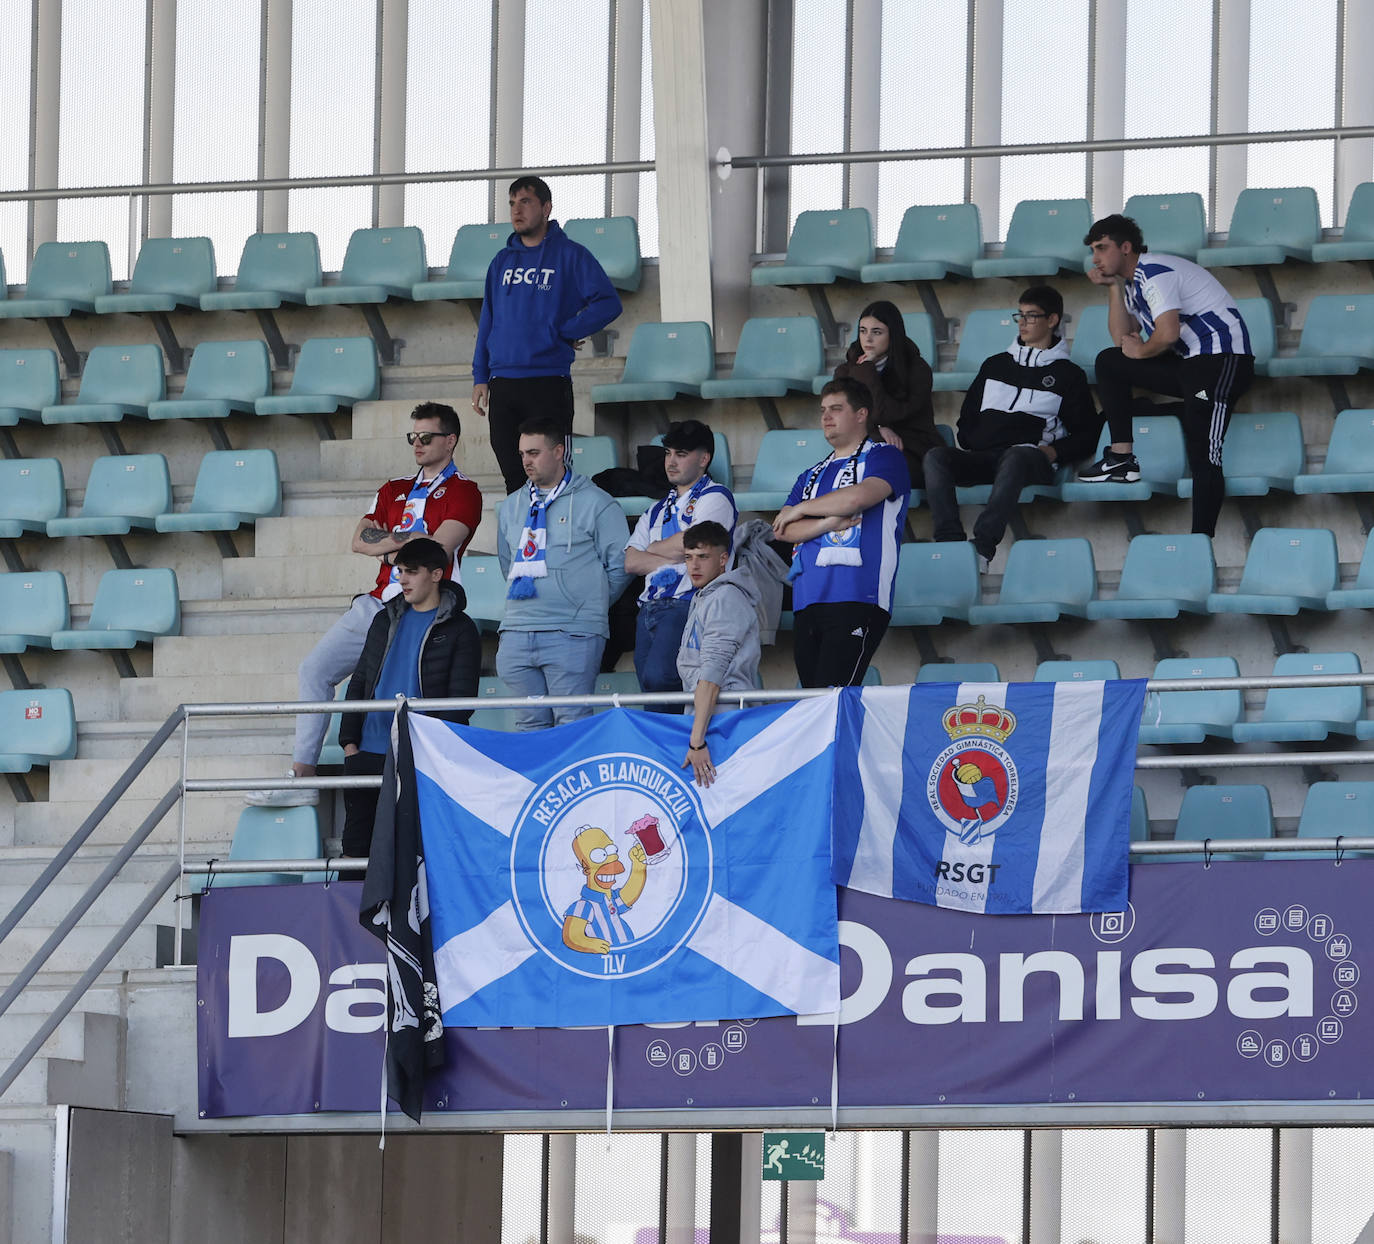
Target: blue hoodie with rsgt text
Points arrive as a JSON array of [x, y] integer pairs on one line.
[[538, 301]]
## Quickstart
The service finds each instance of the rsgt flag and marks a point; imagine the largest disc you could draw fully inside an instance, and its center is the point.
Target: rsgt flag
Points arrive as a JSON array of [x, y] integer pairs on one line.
[[577, 877], [988, 797]]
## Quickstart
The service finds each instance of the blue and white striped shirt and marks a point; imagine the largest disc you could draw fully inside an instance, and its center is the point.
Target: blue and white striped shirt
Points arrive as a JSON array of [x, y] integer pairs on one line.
[[1208, 321], [602, 913]]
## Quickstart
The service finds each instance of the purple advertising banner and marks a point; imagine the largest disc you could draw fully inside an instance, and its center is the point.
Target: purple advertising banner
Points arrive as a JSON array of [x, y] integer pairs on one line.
[[1241, 982]]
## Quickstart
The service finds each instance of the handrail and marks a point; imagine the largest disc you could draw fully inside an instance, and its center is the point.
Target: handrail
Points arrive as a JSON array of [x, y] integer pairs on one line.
[[88, 978], [88, 826], [1086, 146]]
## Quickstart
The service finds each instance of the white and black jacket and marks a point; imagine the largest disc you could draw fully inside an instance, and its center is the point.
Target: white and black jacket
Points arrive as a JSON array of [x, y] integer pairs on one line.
[[1025, 396]]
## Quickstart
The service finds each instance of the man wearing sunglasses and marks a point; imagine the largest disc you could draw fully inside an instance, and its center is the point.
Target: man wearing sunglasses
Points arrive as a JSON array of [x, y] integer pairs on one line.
[[438, 501], [1028, 409]]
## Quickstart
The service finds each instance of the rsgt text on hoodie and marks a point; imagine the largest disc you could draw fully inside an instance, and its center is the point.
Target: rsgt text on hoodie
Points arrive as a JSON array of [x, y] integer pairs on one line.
[[538, 301]]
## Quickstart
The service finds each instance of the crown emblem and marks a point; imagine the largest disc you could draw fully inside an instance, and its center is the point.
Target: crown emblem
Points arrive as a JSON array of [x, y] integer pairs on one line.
[[988, 720]]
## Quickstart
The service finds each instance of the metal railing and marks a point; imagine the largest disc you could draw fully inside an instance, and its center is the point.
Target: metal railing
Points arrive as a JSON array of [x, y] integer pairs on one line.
[[176, 794]]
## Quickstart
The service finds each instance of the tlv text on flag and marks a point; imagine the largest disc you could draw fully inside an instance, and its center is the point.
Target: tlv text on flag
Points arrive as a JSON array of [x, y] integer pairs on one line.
[[577, 876], [988, 797]]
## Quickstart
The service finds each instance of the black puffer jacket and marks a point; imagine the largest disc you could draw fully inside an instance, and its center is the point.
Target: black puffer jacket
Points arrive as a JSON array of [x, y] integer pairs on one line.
[[450, 658]]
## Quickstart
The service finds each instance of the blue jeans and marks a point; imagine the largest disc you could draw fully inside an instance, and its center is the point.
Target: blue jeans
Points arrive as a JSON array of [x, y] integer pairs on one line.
[[658, 636], [548, 663]]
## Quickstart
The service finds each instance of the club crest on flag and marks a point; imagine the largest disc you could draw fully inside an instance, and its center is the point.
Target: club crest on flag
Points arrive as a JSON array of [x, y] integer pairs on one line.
[[581, 855], [973, 784]]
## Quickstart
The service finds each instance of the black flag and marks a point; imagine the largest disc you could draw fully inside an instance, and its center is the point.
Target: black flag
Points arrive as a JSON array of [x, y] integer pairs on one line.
[[395, 908]]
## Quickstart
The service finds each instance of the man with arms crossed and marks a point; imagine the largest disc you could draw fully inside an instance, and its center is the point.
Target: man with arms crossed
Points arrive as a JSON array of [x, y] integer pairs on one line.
[[656, 551], [845, 516], [1198, 349], [545, 294], [438, 501]]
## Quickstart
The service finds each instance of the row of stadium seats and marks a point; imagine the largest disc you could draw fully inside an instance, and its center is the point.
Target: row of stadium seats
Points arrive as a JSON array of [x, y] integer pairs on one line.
[[175, 274], [124, 491], [225, 377], [1045, 236], [131, 607]]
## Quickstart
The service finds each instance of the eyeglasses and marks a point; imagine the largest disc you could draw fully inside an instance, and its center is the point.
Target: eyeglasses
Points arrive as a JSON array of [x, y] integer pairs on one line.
[[1028, 317], [423, 438]]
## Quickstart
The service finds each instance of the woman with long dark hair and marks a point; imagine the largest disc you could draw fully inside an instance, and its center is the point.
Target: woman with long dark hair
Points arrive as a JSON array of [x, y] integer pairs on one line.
[[884, 358]]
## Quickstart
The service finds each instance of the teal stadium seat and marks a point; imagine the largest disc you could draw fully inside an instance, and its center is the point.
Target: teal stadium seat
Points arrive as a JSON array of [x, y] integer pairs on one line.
[[1286, 570], [920, 328], [593, 454], [169, 273], [784, 453], [1269, 226], [131, 607], [117, 381], [1076, 671], [485, 588], [489, 687], [985, 332], [824, 247], [1191, 716], [274, 268], [1163, 576], [618, 682], [233, 487], [1261, 453], [29, 381], [1140, 816], [1163, 462], [1349, 464], [332, 373], [1258, 314], [224, 378], [331, 751], [1306, 714], [958, 671], [614, 241], [1090, 338], [935, 582], [1219, 813], [378, 264], [1043, 580], [1357, 238], [1045, 236], [775, 355], [474, 247], [1332, 810], [32, 493], [932, 243], [123, 491], [64, 277], [1360, 595], [1337, 338], [32, 607], [273, 834], [664, 361], [720, 470], [1173, 224], [38, 726]]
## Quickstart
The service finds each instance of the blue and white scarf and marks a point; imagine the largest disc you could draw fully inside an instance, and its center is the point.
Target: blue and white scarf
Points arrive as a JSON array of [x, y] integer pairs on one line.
[[663, 583], [413, 516], [837, 548], [529, 563]]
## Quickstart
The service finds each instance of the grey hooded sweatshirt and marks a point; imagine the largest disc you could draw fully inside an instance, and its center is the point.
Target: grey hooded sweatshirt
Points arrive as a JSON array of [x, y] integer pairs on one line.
[[720, 641]]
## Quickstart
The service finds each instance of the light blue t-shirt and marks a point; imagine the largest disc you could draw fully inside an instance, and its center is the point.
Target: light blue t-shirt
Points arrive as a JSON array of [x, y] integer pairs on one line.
[[399, 675]]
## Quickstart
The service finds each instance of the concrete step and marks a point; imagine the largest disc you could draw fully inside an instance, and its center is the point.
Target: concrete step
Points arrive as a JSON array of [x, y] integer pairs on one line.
[[210, 820], [247, 654], [313, 534], [217, 736], [368, 457], [86, 941], [282, 578], [314, 614]]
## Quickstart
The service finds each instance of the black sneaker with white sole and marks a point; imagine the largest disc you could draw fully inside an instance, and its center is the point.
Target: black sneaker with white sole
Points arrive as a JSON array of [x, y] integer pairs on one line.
[[1111, 469]]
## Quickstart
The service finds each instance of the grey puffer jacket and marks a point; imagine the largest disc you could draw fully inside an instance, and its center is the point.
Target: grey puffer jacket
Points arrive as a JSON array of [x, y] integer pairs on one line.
[[720, 641]]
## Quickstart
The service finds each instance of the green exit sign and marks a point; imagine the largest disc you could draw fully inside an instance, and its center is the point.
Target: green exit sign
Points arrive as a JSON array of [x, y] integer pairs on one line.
[[794, 1155]]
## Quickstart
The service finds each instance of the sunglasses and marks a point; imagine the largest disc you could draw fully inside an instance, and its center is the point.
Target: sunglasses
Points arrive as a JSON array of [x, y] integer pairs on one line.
[[423, 438]]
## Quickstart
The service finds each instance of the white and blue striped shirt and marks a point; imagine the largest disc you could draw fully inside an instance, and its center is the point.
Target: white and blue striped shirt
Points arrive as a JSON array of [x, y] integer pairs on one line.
[[1208, 322], [602, 912], [713, 503]]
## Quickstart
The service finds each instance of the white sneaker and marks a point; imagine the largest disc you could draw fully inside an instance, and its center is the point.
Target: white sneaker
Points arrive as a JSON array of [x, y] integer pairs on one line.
[[299, 798]]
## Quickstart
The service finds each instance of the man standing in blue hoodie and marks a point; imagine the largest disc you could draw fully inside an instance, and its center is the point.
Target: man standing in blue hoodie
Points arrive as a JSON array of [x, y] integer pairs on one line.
[[561, 543], [545, 295]]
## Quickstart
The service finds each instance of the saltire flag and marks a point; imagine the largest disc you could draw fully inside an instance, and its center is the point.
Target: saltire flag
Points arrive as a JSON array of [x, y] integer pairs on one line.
[[579, 877], [395, 907], [988, 797]]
